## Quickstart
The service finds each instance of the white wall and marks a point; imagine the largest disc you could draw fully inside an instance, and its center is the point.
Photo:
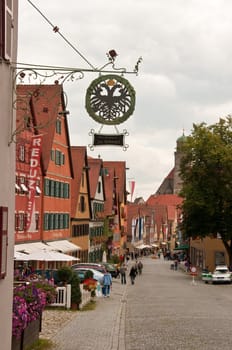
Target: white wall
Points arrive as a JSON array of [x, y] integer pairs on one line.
[[7, 181]]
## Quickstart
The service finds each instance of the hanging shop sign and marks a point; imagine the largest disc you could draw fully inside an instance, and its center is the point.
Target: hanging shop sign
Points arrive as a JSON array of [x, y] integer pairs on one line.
[[33, 174], [110, 99]]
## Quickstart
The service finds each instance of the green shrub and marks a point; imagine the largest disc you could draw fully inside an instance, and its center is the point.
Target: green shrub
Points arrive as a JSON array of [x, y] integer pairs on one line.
[[64, 274], [76, 296], [114, 259], [88, 274]]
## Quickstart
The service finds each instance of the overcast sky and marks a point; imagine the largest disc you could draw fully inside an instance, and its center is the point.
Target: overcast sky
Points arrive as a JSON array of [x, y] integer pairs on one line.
[[184, 78]]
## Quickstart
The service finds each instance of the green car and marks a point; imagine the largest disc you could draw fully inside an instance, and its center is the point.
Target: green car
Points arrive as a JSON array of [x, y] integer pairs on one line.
[[206, 276]]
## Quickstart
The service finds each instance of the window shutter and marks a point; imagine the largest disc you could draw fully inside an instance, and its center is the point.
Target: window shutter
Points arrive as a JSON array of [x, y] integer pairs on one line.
[[46, 187], [7, 30]]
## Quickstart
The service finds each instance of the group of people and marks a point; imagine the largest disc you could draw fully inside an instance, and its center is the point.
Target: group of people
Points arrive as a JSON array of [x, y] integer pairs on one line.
[[136, 269]]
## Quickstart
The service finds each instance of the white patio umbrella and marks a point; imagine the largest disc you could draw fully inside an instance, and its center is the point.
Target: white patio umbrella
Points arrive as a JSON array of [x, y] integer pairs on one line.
[[104, 258], [45, 255]]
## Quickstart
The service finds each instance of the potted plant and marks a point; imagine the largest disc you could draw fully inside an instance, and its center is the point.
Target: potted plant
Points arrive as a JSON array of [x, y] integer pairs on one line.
[[64, 274], [90, 283], [29, 300], [76, 296]]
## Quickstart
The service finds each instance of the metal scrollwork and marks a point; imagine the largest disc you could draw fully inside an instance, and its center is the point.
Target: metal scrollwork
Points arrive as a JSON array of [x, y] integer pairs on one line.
[[110, 99], [40, 76]]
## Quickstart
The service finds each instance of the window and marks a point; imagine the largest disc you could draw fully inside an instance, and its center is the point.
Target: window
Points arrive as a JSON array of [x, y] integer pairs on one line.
[[62, 158], [80, 230], [46, 216], [61, 190], [22, 153], [23, 186], [37, 221], [21, 222], [99, 187], [58, 157], [66, 220], [6, 29], [56, 221], [57, 189], [46, 187], [83, 179], [25, 221], [52, 188], [66, 190], [17, 184], [58, 126], [82, 204], [52, 154]]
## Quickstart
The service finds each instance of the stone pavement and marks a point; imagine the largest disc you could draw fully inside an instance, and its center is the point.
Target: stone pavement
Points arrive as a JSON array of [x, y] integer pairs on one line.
[[164, 310], [99, 329]]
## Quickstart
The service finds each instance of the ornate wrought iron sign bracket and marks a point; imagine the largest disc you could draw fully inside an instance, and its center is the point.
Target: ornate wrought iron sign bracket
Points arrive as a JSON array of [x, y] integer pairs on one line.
[[111, 93]]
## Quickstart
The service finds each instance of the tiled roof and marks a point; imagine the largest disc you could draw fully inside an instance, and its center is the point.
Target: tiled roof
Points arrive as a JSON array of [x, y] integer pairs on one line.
[[79, 160], [95, 165], [165, 199], [119, 168], [109, 191], [45, 102]]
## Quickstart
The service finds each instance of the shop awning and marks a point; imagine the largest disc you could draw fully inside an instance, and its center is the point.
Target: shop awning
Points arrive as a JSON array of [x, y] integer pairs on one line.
[[30, 247], [143, 246], [63, 246], [50, 256], [18, 256]]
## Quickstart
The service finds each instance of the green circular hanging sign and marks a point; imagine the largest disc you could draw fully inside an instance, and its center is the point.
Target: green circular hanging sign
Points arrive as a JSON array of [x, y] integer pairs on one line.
[[110, 99]]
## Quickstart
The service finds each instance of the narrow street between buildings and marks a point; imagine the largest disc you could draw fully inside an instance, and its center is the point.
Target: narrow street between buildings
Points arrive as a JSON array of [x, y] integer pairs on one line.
[[162, 310]]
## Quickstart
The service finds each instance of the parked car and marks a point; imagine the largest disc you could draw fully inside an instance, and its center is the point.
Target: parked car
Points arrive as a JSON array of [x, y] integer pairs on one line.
[[94, 266], [97, 275], [221, 274], [111, 269], [206, 275]]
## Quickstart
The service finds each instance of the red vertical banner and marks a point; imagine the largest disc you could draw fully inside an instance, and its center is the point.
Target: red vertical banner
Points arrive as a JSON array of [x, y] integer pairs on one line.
[[33, 175], [132, 188]]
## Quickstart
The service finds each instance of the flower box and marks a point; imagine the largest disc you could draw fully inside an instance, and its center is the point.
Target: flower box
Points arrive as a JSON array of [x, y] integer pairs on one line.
[[29, 335]]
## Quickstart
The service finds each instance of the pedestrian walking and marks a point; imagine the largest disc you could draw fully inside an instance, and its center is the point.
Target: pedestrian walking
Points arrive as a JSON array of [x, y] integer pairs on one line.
[[176, 264], [123, 273], [107, 283], [140, 267], [132, 274]]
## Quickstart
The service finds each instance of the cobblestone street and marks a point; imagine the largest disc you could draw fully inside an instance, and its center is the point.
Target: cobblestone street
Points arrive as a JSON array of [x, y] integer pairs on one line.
[[163, 310]]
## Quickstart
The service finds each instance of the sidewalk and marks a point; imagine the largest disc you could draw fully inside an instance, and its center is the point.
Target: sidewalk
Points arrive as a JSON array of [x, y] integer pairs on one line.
[[100, 329]]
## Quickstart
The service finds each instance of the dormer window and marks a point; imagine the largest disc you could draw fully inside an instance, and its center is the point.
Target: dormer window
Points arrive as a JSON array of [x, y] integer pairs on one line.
[[82, 204], [58, 126]]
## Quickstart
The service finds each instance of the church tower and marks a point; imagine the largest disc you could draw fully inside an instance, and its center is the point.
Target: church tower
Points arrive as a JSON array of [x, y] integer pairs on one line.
[[177, 182]]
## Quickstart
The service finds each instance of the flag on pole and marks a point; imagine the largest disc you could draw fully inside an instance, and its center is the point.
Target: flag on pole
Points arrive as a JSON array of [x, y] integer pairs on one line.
[[132, 188]]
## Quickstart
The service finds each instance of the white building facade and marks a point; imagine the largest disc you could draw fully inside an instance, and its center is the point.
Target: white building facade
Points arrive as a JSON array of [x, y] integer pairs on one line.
[[8, 54]]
